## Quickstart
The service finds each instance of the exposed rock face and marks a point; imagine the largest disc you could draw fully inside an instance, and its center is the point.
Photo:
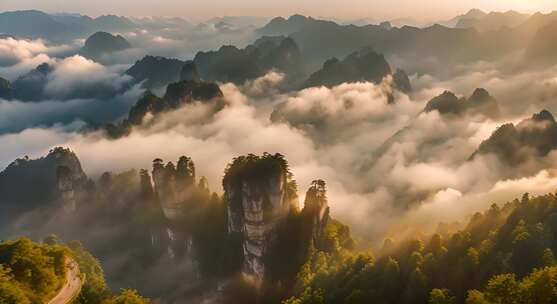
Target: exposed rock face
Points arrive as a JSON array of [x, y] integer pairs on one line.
[[156, 72], [480, 102], [174, 189], [53, 177], [173, 185], [5, 89], [317, 208], [258, 197], [155, 221], [101, 43], [365, 65], [531, 138]]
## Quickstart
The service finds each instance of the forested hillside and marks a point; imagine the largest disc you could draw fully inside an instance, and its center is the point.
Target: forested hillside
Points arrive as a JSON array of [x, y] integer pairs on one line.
[[503, 255], [32, 272]]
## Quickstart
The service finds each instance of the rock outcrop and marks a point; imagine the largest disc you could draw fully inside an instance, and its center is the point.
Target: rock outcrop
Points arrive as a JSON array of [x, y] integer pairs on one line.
[[258, 196], [52, 178], [479, 103], [317, 209], [515, 144]]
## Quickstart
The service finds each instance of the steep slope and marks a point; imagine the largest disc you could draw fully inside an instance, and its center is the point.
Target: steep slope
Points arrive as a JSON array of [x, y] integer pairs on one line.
[[53, 178], [495, 250], [534, 137], [480, 102], [259, 196]]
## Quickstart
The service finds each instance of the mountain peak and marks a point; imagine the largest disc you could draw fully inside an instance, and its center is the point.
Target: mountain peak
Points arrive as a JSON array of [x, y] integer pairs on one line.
[[542, 116], [101, 43], [475, 13], [480, 93]]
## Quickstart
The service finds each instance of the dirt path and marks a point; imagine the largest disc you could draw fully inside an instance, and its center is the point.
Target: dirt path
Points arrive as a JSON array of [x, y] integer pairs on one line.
[[72, 286]]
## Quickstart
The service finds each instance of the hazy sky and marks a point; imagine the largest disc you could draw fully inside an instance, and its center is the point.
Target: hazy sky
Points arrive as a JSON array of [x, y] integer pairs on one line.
[[422, 9]]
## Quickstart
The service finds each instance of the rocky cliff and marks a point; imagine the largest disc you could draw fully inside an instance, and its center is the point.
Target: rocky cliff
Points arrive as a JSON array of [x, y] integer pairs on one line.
[[258, 195], [27, 184], [231, 64], [316, 208], [479, 103], [177, 194]]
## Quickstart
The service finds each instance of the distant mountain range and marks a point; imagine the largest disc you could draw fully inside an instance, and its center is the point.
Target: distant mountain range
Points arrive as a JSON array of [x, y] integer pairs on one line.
[[59, 27], [320, 40], [227, 64], [492, 21]]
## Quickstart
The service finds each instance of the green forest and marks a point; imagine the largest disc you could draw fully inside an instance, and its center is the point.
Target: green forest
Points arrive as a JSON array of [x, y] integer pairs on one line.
[[503, 255], [33, 272]]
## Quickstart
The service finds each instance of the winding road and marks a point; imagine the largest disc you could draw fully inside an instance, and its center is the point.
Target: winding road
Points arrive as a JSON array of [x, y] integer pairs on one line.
[[72, 287]]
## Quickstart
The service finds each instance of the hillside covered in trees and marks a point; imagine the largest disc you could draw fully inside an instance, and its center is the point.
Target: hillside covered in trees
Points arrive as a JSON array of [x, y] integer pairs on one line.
[[32, 272], [503, 255]]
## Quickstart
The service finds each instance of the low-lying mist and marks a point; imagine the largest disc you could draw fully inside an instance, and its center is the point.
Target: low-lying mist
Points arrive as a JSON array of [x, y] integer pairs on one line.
[[377, 182]]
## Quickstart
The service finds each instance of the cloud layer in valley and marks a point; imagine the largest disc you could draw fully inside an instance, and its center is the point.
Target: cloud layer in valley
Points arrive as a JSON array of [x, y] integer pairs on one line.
[[343, 135]]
